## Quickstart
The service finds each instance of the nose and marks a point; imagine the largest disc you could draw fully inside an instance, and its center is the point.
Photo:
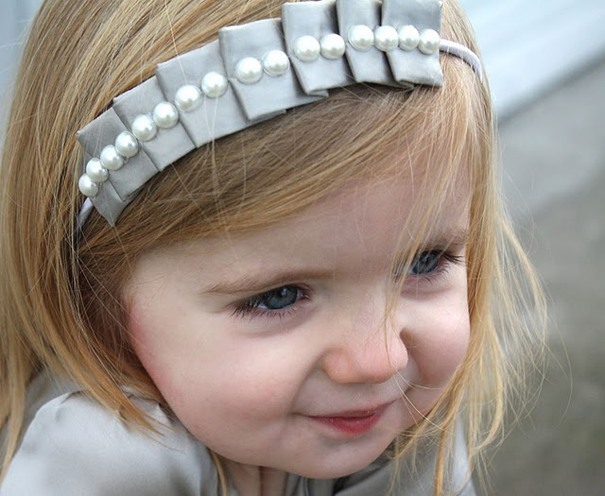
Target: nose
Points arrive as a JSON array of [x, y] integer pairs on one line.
[[367, 353]]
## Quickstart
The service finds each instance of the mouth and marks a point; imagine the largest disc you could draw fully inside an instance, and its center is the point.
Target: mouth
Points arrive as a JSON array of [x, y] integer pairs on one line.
[[354, 422]]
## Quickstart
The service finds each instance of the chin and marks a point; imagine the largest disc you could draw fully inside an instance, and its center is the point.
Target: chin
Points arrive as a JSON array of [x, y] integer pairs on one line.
[[336, 467]]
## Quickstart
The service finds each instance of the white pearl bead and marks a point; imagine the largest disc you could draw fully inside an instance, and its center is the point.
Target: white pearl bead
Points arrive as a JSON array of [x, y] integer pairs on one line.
[[214, 85], [361, 37], [165, 115], [429, 41], [307, 48], [386, 38], [111, 159], [188, 98], [96, 171], [127, 145], [144, 129], [88, 187], [276, 63], [409, 37], [332, 46], [249, 70]]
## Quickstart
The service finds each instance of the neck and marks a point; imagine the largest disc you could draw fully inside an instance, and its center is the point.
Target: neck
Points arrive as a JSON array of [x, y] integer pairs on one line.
[[256, 481]]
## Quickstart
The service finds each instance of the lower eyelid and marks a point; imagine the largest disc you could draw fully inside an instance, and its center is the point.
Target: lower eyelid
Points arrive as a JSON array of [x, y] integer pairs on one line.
[[255, 315]]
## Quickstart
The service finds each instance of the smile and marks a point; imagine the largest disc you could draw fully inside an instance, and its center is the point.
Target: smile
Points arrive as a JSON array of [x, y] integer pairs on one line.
[[352, 423]]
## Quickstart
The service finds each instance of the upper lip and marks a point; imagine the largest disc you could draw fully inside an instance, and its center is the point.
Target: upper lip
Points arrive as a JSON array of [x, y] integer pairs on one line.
[[357, 413]]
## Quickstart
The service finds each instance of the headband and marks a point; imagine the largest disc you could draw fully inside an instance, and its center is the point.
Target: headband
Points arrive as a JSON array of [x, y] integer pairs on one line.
[[254, 72]]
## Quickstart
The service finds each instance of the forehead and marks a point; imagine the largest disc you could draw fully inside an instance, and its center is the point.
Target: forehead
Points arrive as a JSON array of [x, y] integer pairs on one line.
[[361, 225], [362, 212]]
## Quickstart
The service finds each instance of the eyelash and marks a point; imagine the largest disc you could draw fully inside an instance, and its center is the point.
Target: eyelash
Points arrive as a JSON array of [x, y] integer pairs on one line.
[[445, 262], [251, 307]]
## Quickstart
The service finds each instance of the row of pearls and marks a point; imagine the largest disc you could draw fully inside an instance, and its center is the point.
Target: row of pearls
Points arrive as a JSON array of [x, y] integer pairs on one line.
[[166, 115], [362, 38], [145, 127], [387, 38], [248, 70], [309, 48], [189, 97]]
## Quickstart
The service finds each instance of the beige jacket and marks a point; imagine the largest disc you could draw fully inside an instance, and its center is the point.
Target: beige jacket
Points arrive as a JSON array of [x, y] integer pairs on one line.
[[74, 447]]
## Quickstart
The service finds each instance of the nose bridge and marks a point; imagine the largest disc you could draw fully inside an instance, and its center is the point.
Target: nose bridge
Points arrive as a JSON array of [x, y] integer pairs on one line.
[[370, 348]]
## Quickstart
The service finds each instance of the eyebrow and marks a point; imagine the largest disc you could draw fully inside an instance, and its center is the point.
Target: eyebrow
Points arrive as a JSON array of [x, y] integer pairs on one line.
[[445, 239], [258, 280]]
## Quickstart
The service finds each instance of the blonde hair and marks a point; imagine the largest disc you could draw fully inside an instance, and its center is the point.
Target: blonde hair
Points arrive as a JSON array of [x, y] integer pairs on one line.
[[58, 304]]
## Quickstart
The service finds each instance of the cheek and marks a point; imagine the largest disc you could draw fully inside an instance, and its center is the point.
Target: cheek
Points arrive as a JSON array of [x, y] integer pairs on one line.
[[442, 341], [152, 348], [450, 350], [195, 361], [167, 346]]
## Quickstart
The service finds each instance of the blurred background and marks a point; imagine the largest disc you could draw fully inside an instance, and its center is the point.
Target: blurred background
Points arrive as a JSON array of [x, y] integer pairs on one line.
[[546, 64]]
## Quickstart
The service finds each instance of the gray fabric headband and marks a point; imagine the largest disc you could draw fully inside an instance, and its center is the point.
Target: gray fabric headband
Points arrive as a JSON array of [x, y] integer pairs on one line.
[[254, 72]]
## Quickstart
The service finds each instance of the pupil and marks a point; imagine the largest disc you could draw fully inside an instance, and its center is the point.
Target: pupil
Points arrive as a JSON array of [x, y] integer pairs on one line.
[[425, 263], [280, 298]]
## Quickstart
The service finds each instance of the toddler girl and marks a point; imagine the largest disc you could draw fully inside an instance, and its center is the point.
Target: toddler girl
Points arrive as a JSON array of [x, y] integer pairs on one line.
[[253, 248]]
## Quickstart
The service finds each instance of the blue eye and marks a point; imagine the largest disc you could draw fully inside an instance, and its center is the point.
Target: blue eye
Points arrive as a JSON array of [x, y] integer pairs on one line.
[[429, 265], [425, 263], [274, 300]]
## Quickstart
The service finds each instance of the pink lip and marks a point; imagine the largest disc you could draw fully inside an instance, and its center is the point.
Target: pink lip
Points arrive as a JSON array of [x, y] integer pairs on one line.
[[354, 423]]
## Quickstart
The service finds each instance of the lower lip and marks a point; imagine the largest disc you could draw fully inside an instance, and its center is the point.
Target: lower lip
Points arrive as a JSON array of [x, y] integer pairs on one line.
[[353, 425]]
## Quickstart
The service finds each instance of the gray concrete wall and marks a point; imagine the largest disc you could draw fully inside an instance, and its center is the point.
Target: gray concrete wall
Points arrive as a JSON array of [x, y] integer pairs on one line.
[[14, 19], [531, 45], [554, 158]]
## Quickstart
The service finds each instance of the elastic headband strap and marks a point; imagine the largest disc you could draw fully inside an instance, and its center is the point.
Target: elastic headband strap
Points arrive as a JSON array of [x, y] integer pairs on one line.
[[463, 53], [252, 73]]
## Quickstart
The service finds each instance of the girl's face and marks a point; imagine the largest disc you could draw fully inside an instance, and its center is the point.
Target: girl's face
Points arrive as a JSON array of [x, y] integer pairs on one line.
[[274, 348]]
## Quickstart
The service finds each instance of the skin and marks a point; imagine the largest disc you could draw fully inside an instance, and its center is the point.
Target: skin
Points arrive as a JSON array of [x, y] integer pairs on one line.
[[260, 386]]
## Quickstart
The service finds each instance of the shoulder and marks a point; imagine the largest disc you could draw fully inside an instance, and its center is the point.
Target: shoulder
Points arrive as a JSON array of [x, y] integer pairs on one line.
[[73, 446]]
